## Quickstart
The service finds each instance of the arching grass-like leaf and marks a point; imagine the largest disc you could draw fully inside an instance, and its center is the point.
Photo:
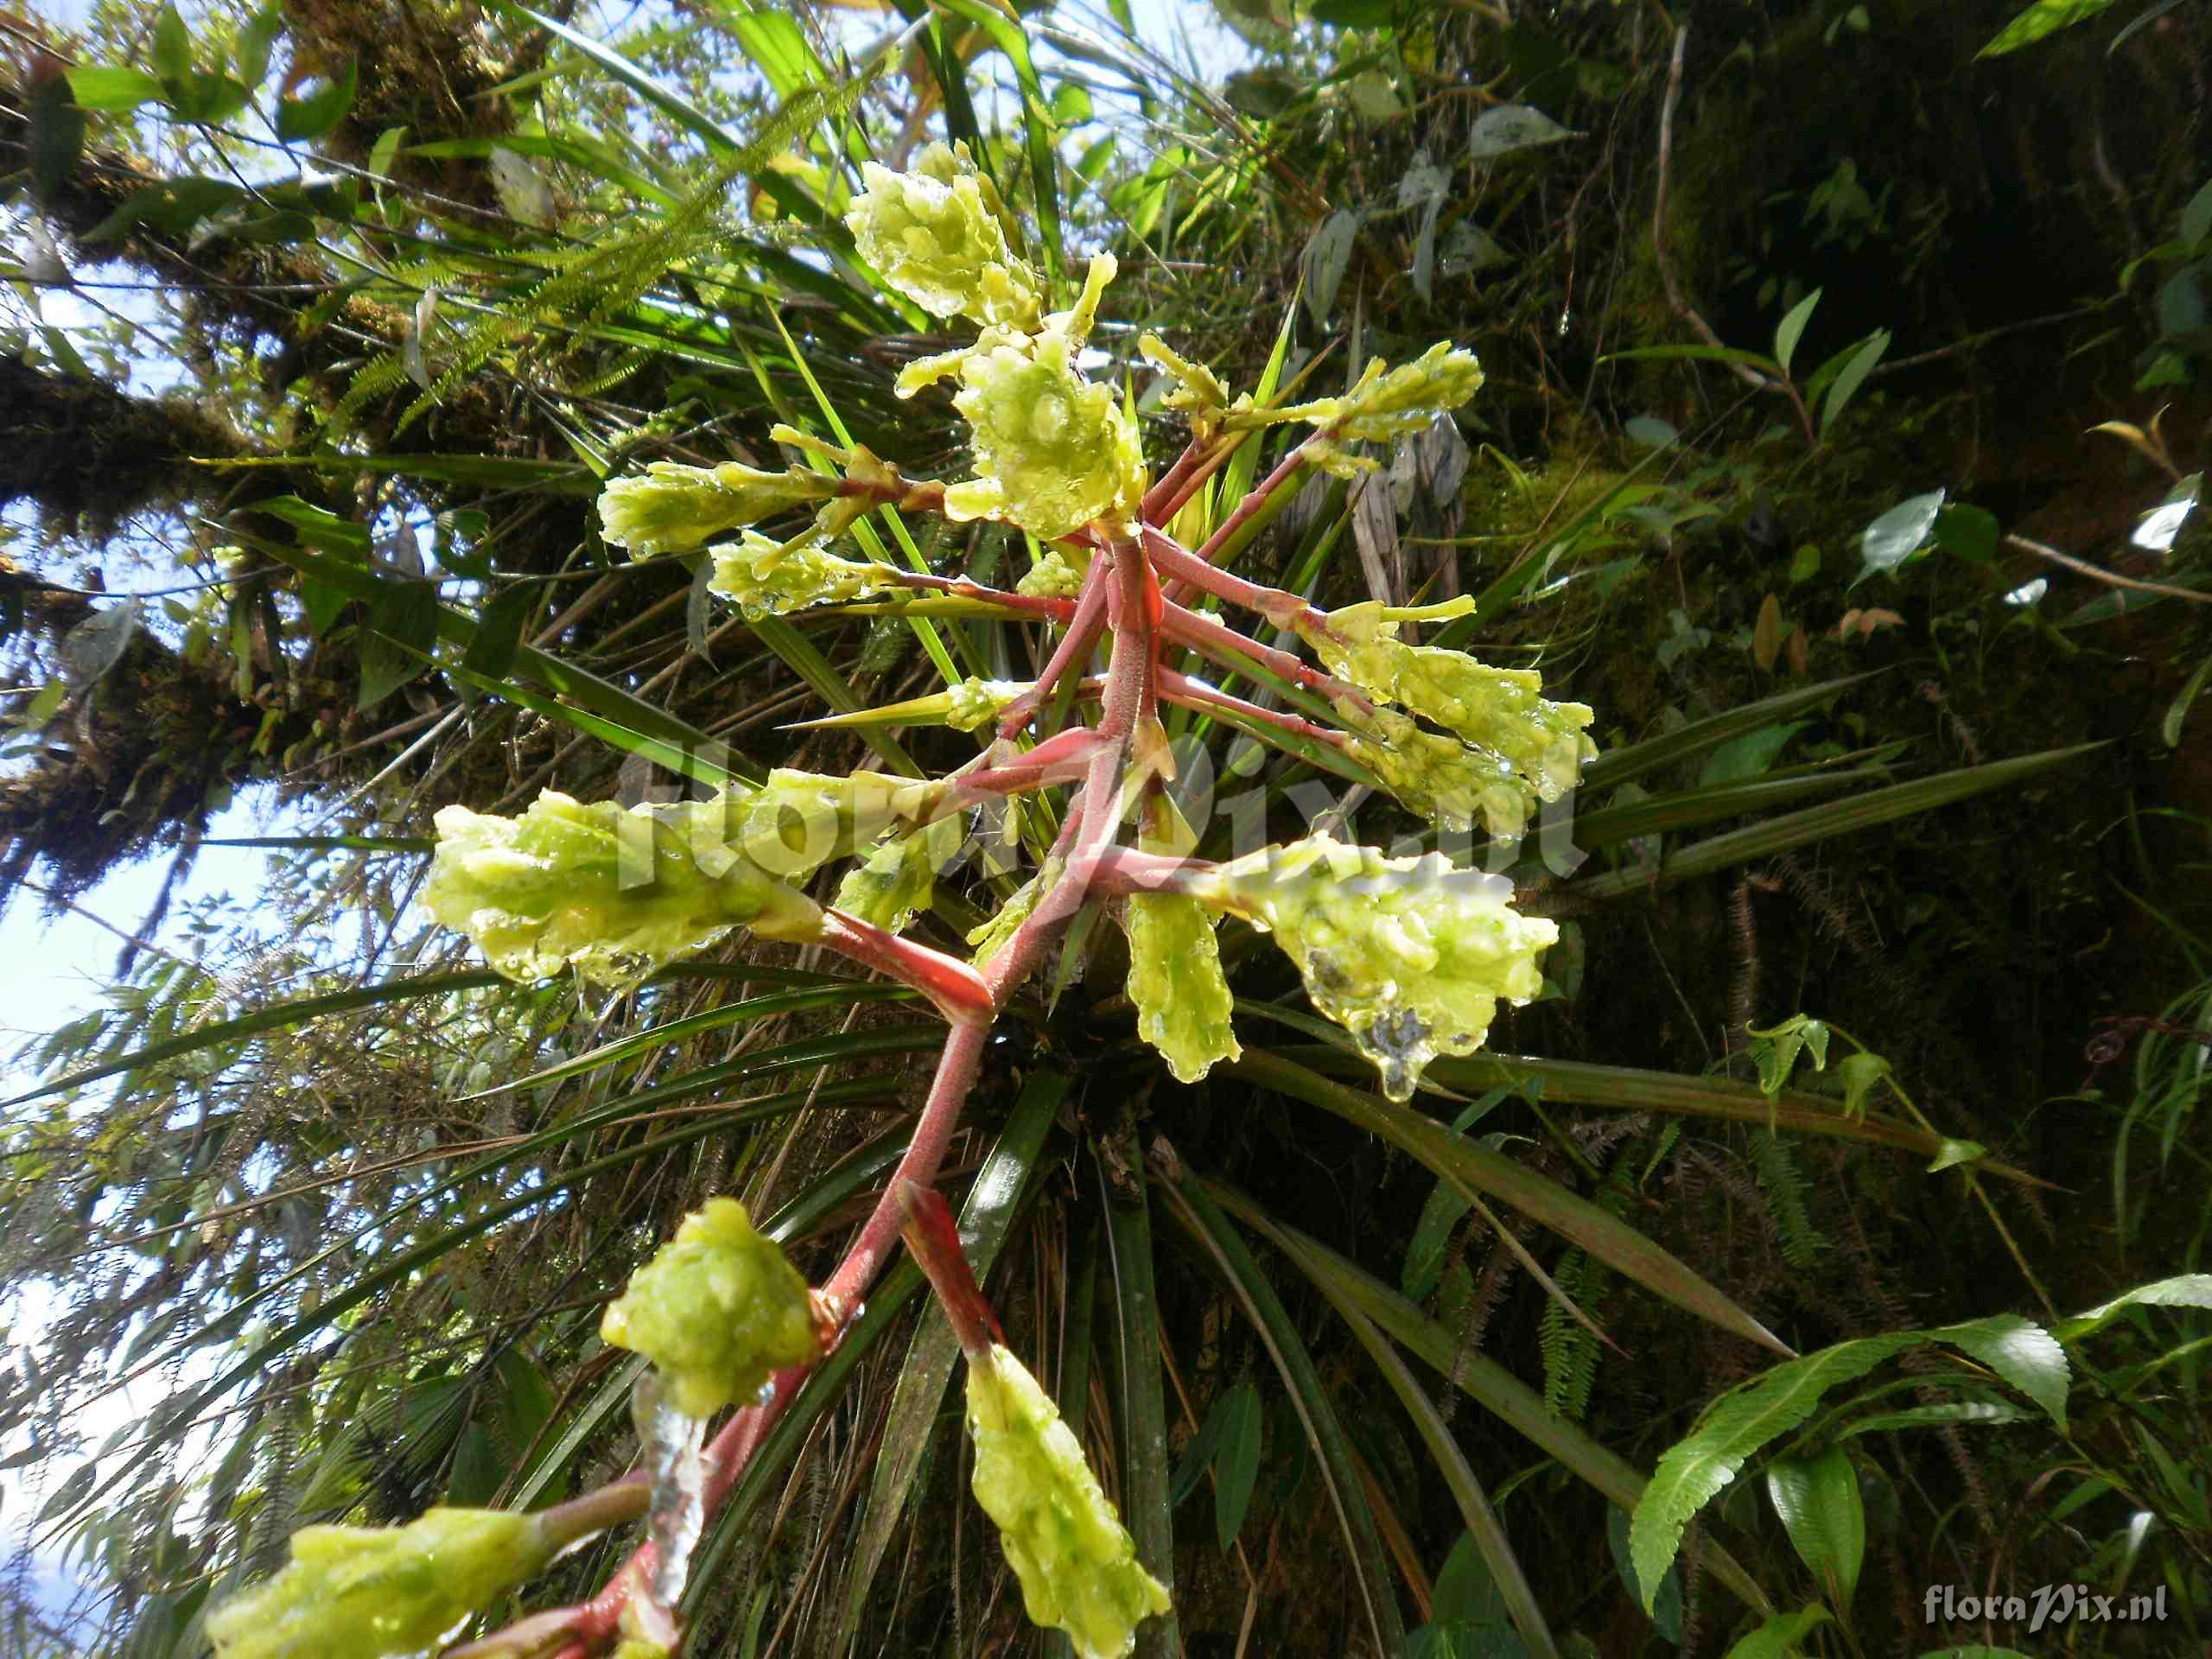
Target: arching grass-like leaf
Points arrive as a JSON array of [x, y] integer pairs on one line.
[[1605, 1236], [1513, 1588], [1190, 1203], [1144, 1508], [1489, 1385], [1819, 823]]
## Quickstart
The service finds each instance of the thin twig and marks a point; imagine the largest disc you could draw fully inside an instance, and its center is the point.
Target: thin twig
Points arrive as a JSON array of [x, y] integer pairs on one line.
[[2097, 572]]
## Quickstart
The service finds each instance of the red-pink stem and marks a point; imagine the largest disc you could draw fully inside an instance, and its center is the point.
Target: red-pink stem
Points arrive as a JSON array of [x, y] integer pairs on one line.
[[727, 1455], [1130, 597], [1119, 871], [1160, 506], [1209, 637], [1255, 498], [1085, 621], [1061, 758], [1172, 559], [1168, 483], [1038, 605], [1185, 692]]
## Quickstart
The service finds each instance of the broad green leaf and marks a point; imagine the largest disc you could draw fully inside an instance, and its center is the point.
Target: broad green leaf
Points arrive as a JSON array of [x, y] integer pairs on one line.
[[172, 46], [402, 627], [2044, 17], [1505, 128], [1746, 757], [311, 117], [1819, 1501], [1735, 1427], [1898, 534], [1969, 532], [2186, 1290], [1851, 377], [1782, 1637], [1236, 1461], [1665, 1605], [2023, 1353], [2170, 728], [1791, 329], [112, 89], [1327, 258]]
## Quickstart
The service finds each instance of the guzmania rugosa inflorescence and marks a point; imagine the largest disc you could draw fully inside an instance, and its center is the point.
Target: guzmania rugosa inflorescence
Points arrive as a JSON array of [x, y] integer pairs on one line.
[[1411, 956]]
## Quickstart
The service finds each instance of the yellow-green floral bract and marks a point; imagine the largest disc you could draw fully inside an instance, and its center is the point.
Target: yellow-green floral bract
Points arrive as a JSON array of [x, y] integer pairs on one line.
[[768, 577], [1077, 1563], [1051, 577], [1411, 956], [717, 1310], [614, 893], [1437, 777], [938, 235], [1053, 451], [977, 703], [798, 821], [989, 938], [1182, 999], [672, 508], [365, 1592], [899, 875], [1387, 404], [1516, 735]]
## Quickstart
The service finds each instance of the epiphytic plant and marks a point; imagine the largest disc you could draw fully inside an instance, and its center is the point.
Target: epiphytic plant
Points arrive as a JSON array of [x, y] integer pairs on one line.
[[1411, 956]]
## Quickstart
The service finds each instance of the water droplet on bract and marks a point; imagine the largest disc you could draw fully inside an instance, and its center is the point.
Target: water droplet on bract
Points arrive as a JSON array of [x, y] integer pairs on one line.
[[860, 1311], [766, 1393]]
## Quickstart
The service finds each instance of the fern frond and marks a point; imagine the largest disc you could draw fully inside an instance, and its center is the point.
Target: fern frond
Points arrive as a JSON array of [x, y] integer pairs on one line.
[[1787, 1190]]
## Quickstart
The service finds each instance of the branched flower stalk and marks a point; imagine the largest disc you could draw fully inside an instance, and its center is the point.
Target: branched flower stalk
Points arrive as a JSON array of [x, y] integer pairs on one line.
[[1411, 956]]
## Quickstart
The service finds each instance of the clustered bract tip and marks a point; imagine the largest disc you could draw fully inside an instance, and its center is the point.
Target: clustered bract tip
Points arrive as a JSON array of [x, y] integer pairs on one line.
[[1411, 956], [1520, 747], [1183, 1002], [367, 1592], [718, 1310], [1054, 450], [938, 235], [769, 578], [614, 893], [673, 508], [1075, 1561]]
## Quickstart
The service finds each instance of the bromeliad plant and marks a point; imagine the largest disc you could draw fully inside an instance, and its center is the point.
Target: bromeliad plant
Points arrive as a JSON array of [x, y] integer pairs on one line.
[[1411, 956]]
